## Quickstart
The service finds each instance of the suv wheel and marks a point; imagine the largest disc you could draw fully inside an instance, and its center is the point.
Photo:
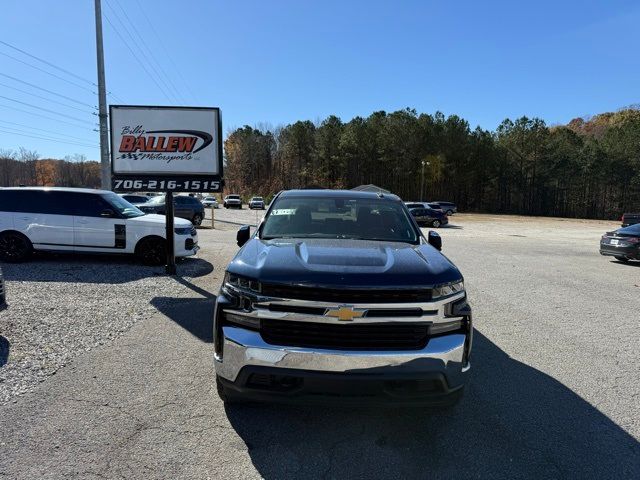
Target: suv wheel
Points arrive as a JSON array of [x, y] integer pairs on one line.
[[449, 212], [435, 223], [197, 220], [14, 247], [152, 251]]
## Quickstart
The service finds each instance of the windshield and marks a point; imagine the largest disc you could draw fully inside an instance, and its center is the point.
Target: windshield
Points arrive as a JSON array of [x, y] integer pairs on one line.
[[355, 218], [121, 206], [156, 200], [630, 230], [256, 199], [233, 197]]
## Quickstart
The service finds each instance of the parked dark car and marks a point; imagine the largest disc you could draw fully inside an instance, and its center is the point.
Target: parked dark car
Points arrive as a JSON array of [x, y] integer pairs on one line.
[[256, 202], [630, 219], [339, 297], [411, 205], [448, 207], [429, 217], [135, 199], [623, 243], [186, 207]]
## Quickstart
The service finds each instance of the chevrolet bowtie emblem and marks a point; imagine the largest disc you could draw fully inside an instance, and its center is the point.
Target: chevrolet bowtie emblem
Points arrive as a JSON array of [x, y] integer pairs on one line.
[[344, 313]]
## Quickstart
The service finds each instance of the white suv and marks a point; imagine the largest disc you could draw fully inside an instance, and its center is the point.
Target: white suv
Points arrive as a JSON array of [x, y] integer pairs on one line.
[[83, 220]]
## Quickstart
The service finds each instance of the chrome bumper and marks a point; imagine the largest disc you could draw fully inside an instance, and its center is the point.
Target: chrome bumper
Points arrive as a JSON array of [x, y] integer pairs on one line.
[[442, 354]]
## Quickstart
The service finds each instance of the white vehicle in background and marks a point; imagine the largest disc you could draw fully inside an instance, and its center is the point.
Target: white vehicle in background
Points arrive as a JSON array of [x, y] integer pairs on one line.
[[87, 221], [210, 202], [256, 202], [233, 201]]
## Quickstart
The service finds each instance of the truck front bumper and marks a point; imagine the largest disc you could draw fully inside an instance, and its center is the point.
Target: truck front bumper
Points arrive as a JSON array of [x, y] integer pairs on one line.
[[251, 369]]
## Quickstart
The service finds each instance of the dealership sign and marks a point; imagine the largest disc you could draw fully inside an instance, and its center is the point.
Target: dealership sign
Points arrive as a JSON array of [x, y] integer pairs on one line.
[[175, 149]]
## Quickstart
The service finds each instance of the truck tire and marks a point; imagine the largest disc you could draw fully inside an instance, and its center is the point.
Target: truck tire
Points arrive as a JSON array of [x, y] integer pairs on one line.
[[222, 392], [197, 220], [14, 247], [152, 251]]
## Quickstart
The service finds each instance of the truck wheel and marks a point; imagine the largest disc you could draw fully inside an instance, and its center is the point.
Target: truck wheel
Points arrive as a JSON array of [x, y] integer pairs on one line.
[[222, 393], [197, 220], [152, 251], [454, 400], [14, 247], [622, 259], [435, 223]]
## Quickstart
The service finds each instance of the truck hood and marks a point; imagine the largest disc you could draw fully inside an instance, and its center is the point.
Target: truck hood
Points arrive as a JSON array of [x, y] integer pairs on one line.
[[349, 263], [153, 219]]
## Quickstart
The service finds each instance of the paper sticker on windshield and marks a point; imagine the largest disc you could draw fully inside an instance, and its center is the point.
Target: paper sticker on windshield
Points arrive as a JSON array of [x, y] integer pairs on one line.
[[283, 211]]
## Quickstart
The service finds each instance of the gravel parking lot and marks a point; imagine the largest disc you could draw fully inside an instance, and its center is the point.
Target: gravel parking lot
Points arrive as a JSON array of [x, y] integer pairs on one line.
[[554, 393]]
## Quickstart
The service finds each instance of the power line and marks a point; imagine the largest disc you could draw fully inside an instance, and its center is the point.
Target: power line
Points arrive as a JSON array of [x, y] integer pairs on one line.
[[48, 73], [44, 116], [48, 63], [53, 65], [134, 54], [44, 98], [48, 91], [166, 80], [173, 64], [43, 109], [48, 139], [43, 130]]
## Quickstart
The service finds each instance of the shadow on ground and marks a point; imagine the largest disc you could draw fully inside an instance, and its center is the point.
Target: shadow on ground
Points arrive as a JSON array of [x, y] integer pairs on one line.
[[193, 314], [4, 350], [630, 263], [95, 269], [514, 422]]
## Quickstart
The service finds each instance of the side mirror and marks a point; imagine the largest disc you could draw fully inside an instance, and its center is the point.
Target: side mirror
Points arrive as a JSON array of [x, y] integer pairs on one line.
[[107, 213], [243, 235], [435, 240]]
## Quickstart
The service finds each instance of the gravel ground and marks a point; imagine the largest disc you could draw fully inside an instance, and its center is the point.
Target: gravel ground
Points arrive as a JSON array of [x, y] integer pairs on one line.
[[63, 305]]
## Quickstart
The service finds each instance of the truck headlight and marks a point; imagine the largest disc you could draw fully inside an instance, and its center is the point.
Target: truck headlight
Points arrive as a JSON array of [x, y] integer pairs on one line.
[[447, 290], [242, 283]]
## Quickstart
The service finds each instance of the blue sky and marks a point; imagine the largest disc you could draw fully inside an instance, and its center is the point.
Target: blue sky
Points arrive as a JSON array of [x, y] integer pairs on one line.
[[283, 60]]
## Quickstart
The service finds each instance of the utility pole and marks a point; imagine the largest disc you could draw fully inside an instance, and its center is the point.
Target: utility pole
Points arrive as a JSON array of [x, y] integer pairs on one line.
[[105, 168]]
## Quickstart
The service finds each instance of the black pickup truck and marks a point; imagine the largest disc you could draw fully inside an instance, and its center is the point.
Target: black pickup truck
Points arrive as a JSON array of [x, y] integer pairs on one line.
[[338, 295], [630, 219]]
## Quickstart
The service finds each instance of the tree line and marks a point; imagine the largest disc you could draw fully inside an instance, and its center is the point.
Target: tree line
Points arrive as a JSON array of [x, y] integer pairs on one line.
[[589, 168], [25, 167]]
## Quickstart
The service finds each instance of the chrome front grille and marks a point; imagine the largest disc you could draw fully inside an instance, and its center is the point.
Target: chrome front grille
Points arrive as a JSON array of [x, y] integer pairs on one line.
[[365, 336]]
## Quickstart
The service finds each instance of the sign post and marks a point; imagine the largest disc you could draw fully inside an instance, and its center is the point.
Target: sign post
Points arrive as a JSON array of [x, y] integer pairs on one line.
[[166, 149], [170, 268]]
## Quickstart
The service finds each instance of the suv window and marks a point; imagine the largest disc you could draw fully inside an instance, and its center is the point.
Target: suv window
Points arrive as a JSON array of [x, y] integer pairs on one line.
[[50, 202], [88, 204]]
